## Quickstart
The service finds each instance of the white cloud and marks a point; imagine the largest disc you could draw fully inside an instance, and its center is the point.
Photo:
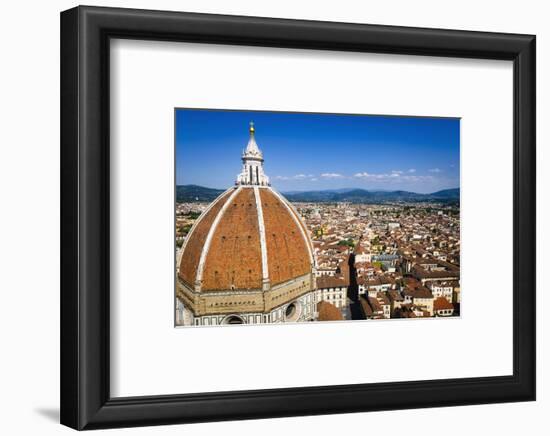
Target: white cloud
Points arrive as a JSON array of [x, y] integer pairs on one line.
[[365, 174], [295, 177], [331, 175], [417, 178], [394, 175]]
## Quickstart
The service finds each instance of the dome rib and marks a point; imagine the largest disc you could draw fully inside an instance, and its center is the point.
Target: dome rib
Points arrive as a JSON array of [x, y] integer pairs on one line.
[[298, 222], [194, 242], [261, 228], [202, 215], [234, 258], [288, 253], [305, 232], [249, 238], [208, 241]]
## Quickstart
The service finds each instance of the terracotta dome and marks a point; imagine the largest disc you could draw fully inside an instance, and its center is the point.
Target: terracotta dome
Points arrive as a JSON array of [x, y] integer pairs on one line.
[[248, 258], [249, 238]]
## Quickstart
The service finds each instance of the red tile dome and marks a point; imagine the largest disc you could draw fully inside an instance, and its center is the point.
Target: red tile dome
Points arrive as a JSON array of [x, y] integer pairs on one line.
[[249, 238]]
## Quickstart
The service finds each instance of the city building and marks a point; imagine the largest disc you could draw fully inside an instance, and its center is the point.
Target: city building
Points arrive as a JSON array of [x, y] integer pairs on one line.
[[333, 289], [328, 312], [442, 289], [442, 307], [415, 293], [250, 256]]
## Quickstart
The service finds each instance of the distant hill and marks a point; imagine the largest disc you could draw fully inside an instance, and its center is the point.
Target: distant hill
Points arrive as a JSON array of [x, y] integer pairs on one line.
[[366, 196], [447, 194], [188, 193]]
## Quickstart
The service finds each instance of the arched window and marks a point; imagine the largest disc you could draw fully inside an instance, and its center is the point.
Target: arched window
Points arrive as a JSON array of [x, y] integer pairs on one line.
[[233, 319]]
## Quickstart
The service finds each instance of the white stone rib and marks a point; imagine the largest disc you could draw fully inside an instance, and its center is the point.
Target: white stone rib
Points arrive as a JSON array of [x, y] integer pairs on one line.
[[261, 227], [199, 219], [295, 218], [301, 220], [208, 241]]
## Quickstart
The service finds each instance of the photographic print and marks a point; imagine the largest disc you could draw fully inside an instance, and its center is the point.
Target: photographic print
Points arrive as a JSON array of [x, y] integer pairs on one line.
[[288, 217]]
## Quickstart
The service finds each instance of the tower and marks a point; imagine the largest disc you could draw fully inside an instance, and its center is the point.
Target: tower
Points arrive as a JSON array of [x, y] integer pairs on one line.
[[253, 163]]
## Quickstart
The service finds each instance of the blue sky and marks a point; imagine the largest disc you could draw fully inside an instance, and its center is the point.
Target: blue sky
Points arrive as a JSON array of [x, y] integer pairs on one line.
[[306, 152]]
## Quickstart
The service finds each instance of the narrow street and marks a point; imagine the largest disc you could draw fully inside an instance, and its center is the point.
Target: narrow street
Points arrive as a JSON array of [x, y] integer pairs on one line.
[[353, 291]]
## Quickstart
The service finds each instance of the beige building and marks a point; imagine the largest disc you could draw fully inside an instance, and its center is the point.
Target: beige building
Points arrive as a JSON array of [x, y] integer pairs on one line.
[[418, 295], [333, 290], [442, 289]]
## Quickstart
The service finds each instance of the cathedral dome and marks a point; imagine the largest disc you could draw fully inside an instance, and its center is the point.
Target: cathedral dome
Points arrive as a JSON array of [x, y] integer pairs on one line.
[[248, 258], [249, 238]]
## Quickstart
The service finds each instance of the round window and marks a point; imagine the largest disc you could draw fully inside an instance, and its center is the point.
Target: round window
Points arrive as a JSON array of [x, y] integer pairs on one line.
[[291, 312]]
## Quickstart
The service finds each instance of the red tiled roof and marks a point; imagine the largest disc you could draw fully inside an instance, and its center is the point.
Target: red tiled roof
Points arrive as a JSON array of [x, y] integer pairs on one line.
[[234, 257], [337, 281], [328, 312], [442, 303]]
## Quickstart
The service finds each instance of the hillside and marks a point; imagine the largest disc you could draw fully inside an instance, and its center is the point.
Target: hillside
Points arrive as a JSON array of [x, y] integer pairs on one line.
[[188, 193], [366, 196]]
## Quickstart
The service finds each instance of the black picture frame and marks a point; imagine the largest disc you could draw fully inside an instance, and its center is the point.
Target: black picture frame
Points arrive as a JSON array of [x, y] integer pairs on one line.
[[85, 399]]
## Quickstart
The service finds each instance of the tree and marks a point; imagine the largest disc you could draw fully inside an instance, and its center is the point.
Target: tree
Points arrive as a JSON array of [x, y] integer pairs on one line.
[[192, 214], [347, 242], [185, 228]]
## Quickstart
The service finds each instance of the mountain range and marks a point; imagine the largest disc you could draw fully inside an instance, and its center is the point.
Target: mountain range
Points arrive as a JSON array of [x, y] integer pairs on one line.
[[186, 193]]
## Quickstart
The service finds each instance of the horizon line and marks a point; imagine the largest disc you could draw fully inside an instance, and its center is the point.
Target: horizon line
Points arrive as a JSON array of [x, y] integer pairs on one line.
[[336, 189]]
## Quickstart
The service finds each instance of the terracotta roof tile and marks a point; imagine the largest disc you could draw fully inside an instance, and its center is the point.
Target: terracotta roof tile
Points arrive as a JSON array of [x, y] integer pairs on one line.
[[442, 303], [233, 260], [328, 312], [287, 252], [196, 238]]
